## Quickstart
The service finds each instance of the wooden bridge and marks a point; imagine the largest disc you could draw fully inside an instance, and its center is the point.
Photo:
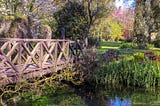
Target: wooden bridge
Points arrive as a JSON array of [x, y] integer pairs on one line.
[[21, 59]]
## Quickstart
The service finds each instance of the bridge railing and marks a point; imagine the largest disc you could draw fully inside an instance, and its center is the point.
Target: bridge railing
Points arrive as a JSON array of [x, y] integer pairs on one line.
[[27, 58], [19, 54], [76, 50]]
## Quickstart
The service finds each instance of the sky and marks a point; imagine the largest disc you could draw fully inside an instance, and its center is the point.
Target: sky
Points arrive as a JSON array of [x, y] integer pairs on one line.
[[125, 3]]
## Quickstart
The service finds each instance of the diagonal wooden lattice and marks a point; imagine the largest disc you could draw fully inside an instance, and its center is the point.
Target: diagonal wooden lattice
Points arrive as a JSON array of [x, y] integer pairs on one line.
[[27, 58]]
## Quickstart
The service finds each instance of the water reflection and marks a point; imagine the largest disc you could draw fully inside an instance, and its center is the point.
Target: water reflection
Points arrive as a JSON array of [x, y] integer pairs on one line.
[[98, 97], [119, 102], [121, 97]]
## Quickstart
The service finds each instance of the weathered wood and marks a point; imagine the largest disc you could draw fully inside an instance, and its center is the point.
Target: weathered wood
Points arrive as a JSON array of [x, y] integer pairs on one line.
[[21, 59]]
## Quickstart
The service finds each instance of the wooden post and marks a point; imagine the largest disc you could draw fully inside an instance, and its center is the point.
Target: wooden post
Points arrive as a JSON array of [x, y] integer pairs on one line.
[[19, 53], [41, 55], [56, 50], [63, 33]]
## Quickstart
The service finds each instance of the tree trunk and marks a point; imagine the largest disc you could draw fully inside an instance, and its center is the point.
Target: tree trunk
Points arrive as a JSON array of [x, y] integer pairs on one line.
[[85, 38]]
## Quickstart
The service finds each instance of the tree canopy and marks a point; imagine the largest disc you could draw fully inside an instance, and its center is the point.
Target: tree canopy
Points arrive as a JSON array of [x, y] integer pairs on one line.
[[72, 20], [147, 23]]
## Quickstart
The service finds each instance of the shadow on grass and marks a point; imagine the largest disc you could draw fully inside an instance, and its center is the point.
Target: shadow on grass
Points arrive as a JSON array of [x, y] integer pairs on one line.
[[110, 44]]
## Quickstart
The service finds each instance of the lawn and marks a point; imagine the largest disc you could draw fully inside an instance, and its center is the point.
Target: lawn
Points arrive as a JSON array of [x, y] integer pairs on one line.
[[104, 46]]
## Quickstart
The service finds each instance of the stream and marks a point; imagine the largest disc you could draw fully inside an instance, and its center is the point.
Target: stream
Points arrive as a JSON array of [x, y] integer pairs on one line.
[[100, 96]]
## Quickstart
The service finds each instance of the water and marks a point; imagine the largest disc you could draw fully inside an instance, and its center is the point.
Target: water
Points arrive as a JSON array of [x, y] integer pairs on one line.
[[98, 97], [124, 97]]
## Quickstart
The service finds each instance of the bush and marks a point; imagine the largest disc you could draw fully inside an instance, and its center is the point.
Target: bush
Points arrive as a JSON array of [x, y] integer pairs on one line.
[[157, 42], [139, 56], [128, 45], [149, 46], [94, 42]]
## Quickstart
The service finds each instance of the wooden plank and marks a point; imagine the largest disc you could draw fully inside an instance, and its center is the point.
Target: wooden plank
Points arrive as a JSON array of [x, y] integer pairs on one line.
[[31, 55], [4, 46], [46, 56], [62, 51], [12, 50], [9, 62], [15, 59], [41, 55], [12, 77]]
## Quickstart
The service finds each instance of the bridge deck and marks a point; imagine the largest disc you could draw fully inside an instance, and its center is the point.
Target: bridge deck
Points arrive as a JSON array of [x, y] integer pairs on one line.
[[8, 75]]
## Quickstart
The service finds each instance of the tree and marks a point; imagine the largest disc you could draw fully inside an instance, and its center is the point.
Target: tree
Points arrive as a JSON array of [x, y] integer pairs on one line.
[[147, 21], [96, 9], [71, 20], [25, 16], [108, 29]]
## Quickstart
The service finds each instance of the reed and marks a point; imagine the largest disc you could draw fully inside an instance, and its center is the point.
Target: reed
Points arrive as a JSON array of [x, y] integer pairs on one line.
[[130, 72]]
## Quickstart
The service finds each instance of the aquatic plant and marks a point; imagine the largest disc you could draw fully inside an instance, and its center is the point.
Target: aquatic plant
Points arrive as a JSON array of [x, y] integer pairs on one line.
[[130, 72]]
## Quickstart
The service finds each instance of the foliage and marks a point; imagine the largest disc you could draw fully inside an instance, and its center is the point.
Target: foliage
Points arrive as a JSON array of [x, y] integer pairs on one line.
[[128, 35], [72, 20], [156, 53], [146, 21], [133, 45], [107, 29], [130, 72], [128, 45], [157, 41], [101, 29], [35, 12], [110, 55], [93, 42], [87, 66], [125, 17], [139, 56], [116, 31], [97, 10]]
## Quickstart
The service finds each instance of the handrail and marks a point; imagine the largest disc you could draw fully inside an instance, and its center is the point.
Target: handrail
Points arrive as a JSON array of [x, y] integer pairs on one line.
[[18, 39]]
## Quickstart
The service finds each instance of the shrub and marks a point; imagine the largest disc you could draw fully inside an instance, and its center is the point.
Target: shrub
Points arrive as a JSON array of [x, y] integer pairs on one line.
[[139, 56], [94, 42], [156, 53], [157, 42], [150, 46], [128, 45], [110, 55]]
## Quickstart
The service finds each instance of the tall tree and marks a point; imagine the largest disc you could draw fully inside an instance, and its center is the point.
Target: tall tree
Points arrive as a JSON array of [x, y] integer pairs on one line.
[[88, 11], [147, 15], [96, 9], [71, 20]]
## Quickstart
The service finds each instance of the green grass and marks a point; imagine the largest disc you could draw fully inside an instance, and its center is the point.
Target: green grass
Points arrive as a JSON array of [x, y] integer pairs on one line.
[[104, 46]]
